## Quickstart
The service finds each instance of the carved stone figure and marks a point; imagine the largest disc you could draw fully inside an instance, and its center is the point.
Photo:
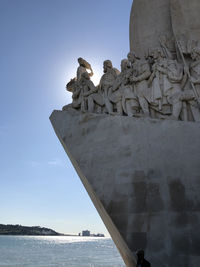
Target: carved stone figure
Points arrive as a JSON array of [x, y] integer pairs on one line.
[[140, 74], [87, 88], [83, 67], [158, 86], [115, 94], [81, 91], [96, 102], [167, 81], [106, 83], [174, 94], [195, 69], [159, 83], [75, 89], [195, 80], [122, 91], [130, 102]]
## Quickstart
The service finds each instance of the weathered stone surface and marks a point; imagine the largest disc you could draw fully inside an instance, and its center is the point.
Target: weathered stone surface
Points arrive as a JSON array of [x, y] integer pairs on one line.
[[149, 20], [143, 177], [185, 19]]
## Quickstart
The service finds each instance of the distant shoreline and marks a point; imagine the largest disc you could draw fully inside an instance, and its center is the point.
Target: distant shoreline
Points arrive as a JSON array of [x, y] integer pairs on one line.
[[13, 234], [9, 229], [54, 235], [19, 230]]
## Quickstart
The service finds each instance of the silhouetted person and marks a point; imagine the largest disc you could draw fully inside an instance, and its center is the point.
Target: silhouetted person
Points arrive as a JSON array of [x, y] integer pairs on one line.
[[141, 262]]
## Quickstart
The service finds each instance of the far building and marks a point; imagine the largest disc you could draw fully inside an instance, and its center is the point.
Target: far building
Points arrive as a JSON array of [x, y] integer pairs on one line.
[[86, 233], [100, 235]]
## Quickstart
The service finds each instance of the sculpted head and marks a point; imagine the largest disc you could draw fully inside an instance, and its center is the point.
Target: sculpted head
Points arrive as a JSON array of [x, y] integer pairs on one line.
[[125, 64], [70, 86], [107, 64], [157, 53], [82, 62], [132, 57]]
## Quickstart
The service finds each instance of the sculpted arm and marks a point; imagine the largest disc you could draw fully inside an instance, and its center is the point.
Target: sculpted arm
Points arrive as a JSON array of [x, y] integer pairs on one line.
[[92, 89], [144, 76], [195, 81], [146, 73], [76, 93], [174, 77], [162, 70], [116, 84]]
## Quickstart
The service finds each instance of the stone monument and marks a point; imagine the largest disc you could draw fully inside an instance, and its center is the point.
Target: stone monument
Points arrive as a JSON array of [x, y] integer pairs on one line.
[[134, 139]]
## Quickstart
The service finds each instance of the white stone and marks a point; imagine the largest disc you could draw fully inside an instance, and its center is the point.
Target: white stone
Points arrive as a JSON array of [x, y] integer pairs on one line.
[[185, 19], [143, 177], [149, 20]]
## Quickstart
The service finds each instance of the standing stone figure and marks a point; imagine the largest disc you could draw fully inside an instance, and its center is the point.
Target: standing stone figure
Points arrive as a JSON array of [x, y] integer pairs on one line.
[[173, 95], [87, 88], [106, 83], [167, 82], [115, 95], [159, 82], [83, 67], [130, 102], [140, 74], [122, 92]]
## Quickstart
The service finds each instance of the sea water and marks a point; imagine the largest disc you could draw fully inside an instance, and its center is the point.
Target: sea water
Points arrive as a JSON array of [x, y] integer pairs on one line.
[[51, 251]]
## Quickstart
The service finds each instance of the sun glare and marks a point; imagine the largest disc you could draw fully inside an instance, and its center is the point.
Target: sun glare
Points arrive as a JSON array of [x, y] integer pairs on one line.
[[96, 78], [65, 77]]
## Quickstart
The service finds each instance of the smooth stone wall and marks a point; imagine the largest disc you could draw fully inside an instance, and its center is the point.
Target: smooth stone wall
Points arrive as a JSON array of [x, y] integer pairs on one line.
[[149, 20], [185, 19], [143, 176]]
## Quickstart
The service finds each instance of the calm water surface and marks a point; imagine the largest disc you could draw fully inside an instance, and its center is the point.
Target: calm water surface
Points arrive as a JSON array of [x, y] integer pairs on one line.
[[48, 251]]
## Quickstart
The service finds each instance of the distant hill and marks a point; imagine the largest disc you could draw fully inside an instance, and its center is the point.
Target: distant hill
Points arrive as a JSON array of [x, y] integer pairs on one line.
[[10, 229]]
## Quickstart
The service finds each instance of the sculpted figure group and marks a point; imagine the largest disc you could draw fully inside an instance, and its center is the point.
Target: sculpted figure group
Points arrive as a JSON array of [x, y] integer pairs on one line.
[[165, 84]]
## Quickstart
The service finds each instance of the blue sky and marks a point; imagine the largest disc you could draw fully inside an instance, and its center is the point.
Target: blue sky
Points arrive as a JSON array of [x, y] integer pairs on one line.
[[40, 43]]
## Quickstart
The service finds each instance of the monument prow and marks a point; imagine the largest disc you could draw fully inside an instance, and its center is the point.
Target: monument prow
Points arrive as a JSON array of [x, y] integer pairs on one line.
[[134, 139], [143, 178], [61, 121]]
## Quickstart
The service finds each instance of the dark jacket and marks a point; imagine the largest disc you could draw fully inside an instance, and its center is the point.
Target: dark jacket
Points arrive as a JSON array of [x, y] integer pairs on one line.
[[144, 264]]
